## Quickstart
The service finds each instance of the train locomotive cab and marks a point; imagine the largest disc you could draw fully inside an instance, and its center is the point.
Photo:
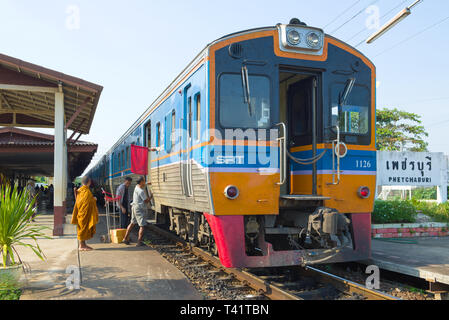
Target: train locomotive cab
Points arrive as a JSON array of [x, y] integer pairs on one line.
[[294, 148], [263, 149]]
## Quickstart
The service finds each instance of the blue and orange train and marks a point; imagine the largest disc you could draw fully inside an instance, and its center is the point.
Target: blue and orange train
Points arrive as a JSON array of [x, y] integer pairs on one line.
[[263, 149]]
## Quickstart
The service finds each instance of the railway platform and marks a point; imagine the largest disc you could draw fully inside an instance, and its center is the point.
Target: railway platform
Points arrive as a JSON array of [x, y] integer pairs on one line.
[[111, 271], [425, 258]]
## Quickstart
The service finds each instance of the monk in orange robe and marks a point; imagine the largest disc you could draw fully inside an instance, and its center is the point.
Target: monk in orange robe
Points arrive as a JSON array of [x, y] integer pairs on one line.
[[85, 214]]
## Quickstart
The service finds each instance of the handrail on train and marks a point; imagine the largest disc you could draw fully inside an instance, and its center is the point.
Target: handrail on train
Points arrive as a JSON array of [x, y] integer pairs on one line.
[[282, 154]]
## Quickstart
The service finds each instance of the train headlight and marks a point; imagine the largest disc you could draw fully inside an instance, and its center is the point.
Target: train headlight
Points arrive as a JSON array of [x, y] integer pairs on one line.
[[293, 37], [313, 39], [364, 192], [231, 192], [301, 39]]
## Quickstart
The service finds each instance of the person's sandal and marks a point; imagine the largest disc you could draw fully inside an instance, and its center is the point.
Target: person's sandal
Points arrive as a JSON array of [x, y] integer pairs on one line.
[[127, 242], [141, 244]]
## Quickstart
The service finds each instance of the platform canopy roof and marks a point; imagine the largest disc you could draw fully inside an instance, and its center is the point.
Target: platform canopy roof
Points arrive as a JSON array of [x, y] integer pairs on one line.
[[30, 153], [27, 96]]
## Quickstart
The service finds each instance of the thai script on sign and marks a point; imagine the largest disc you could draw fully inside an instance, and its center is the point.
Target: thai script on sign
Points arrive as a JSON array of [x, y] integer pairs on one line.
[[410, 165], [410, 168]]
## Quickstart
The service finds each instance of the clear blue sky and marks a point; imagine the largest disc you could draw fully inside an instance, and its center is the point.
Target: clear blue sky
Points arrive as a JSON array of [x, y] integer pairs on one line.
[[136, 48]]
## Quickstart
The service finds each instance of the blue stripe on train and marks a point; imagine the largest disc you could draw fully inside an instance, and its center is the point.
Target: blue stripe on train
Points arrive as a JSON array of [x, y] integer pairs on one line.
[[248, 157]]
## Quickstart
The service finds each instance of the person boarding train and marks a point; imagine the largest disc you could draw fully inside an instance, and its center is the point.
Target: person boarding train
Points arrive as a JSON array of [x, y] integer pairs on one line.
[[139, 212]]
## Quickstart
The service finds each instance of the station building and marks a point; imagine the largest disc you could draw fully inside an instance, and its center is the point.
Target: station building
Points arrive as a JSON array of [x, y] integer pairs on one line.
[[37, 97]]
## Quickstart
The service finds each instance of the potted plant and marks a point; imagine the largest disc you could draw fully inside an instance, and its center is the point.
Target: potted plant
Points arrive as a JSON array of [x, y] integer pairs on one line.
[[16, 229]]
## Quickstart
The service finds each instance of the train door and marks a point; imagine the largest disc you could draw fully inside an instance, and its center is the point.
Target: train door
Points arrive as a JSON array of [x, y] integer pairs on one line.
[[298, 92], [148, 145], [186, 163]]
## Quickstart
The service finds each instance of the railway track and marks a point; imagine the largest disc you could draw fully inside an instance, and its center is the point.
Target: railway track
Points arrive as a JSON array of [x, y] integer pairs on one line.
[[293, 283]]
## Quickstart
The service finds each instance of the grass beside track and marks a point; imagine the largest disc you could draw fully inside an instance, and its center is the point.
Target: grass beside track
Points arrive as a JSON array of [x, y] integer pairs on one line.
[[10, 294]]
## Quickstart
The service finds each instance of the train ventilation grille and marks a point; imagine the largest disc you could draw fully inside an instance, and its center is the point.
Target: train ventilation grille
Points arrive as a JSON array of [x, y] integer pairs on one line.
[[236, 50]]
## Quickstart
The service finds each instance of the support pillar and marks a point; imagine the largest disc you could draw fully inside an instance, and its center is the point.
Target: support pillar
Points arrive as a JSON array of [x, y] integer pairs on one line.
[[442, 189], [64, 190], [60, 169], [442, 193]]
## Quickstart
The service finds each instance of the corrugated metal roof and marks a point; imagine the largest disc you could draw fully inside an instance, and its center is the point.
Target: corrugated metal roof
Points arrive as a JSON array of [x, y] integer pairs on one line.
[[14, 137]]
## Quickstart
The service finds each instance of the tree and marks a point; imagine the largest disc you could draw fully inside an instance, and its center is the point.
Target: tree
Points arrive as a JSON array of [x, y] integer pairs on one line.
[[400, 131]]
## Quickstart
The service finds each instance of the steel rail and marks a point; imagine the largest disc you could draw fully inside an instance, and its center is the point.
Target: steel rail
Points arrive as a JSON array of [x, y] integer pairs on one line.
[[248, 279], [347, 286], [269, 290]]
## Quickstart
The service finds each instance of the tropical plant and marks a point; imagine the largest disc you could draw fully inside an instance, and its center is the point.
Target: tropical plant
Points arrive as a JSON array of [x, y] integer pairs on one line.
[[15, 226]]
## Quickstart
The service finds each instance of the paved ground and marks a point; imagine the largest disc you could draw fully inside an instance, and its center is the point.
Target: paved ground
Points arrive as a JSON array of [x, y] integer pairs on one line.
[[427, 258], [109, 272]]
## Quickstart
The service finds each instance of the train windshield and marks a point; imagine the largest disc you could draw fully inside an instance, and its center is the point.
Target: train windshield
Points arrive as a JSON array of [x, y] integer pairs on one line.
[[353, 116], [234, 110]]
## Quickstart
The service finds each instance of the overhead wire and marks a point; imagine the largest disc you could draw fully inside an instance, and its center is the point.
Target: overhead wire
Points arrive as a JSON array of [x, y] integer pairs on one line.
[[338, 16], [355, 16]]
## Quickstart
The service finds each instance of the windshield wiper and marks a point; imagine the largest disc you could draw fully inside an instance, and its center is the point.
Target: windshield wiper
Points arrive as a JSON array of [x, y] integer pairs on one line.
[[246, 92], [343, 99]]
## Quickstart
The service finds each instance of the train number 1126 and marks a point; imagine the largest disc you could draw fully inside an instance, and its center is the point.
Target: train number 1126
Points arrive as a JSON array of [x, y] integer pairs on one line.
[[363, 164]]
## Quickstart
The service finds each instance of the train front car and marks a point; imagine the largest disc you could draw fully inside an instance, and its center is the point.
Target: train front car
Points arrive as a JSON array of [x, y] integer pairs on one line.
[[294, 162]]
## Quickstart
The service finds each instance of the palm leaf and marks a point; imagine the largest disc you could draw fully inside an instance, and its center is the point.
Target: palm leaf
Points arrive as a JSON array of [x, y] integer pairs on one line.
[[15, 227]]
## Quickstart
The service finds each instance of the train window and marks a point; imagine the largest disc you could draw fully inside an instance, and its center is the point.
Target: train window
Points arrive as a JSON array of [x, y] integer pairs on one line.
[[119, 161], [198, 116], [173, 127], [353, 117], [147, 134], [123, 160], [158, 134], [189, 117], [127, 157], [168, 131], [234, 112]]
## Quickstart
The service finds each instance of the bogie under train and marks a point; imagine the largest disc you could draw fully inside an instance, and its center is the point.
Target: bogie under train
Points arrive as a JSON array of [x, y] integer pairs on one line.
[[265, 149]]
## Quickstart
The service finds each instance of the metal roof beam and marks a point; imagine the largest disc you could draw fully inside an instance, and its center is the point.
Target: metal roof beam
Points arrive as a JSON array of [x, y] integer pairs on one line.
[[77, 112], [77, 130]]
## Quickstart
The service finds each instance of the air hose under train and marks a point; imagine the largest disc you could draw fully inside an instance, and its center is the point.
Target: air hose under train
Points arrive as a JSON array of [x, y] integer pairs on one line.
[[309, 161]]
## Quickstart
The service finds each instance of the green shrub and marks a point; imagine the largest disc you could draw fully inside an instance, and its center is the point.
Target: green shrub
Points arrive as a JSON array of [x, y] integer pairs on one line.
[[398, 211], [441, 212], [10, 294], [425, 193], [393, 212]]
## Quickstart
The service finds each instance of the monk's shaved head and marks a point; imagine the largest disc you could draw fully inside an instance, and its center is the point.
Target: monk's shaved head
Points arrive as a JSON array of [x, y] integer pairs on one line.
[[85, 180]]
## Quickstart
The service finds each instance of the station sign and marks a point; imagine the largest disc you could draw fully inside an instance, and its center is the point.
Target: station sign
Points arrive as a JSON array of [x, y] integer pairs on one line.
[[421, 169]]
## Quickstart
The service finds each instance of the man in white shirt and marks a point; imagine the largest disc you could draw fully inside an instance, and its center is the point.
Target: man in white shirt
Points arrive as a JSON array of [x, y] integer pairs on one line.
[[138, 212]]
